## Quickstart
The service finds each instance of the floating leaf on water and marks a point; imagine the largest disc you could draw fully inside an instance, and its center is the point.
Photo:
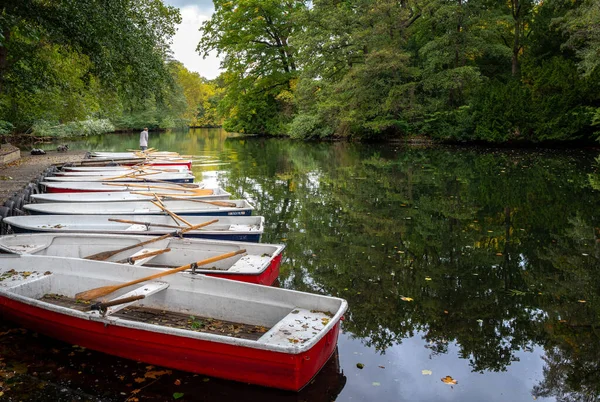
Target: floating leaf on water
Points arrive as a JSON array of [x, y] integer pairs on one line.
[[360, 365], [581, 301], [499, 254], [177, 395], [449, 380], [584, 254], [426, 372], [407, 299], [427, 278], [480, 321]]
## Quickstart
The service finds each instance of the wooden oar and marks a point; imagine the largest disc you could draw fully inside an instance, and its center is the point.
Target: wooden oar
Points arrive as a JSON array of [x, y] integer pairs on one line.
[[158, 225], [172, 214], [218, 203], [186, 185], [105, 290], [159, 203], [130, 176], [149, 186], [104, 255], [185, 196], [134, 258]]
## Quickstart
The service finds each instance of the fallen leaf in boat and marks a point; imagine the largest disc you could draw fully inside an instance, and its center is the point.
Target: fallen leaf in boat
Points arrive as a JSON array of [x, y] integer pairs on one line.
[[376, 384], [135, 391], [121, 377], [177, 382], [381, 366], [205, 379], [407, 299], [139, 380], [426, 372], [360, 365], [155, 374], [177, 395], [449, 380]]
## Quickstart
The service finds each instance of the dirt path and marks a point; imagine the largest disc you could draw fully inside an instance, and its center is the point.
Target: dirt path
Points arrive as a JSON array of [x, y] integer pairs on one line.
[[16, 175]]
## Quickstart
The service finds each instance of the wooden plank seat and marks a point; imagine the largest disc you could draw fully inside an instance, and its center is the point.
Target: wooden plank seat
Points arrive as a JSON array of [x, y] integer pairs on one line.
[[146, 290], [296, 328]]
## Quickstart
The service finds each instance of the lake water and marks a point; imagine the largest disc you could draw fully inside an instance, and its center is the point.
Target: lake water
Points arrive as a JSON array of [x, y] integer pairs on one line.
[[477, 264]]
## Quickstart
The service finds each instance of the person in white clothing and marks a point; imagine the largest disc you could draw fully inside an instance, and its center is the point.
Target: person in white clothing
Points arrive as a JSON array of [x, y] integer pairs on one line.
[[144, 139]]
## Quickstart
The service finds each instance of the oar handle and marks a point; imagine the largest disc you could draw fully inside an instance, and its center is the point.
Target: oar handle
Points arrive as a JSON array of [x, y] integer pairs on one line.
[[105, 305], [134, 258]]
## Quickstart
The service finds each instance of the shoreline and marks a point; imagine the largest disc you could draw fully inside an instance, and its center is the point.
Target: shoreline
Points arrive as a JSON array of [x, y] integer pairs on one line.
[[18, 174]]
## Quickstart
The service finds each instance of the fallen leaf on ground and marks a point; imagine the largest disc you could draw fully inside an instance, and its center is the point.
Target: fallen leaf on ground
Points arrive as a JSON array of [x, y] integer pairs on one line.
[[449, 380]]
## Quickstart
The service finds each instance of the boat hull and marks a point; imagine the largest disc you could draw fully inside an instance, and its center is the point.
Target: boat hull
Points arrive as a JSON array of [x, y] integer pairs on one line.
[[93, 187], [179, 207], [247, 229], [268, 368], [124, 196]]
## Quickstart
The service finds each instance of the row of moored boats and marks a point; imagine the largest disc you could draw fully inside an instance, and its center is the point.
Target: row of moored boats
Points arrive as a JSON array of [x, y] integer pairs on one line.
[[125, 254]]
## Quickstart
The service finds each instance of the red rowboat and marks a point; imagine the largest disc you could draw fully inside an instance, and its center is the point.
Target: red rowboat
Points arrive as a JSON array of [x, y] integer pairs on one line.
[[260, 264], [255, 334]]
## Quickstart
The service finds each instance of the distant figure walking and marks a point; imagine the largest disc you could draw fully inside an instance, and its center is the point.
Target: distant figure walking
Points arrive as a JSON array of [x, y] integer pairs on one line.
[[144, 139]]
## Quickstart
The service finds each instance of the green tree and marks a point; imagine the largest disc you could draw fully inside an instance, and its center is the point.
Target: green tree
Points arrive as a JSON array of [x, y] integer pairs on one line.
[[260, 63]]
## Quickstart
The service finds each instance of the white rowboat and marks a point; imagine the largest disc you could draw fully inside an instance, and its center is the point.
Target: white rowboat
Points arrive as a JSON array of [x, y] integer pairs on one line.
[[242, 228]]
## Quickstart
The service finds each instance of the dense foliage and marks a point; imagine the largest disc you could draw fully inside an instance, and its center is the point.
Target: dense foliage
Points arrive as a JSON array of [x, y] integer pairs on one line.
[[517, 71], [67, 66]]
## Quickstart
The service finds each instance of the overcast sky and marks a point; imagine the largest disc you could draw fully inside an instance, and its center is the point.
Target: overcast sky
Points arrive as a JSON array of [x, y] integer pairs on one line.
[[193, 13]]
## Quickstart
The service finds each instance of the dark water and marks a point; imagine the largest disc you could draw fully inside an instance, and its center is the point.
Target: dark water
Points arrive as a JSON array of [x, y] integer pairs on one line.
[[478, 264]]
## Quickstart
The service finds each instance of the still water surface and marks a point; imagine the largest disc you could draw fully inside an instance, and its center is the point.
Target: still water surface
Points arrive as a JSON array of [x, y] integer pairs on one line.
[[478, 264]]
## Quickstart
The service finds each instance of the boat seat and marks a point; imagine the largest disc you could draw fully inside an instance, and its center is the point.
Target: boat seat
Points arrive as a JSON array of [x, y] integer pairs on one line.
[[137, 228], [249, 264], [144, 251], [147, 289], [296, 328]]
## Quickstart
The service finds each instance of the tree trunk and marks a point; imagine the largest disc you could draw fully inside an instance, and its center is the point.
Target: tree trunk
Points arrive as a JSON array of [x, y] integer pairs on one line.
[[4, 58], [516, 11]]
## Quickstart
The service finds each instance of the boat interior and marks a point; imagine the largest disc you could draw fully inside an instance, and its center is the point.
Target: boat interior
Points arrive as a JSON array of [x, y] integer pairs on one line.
[[166, 253], [181, 304]]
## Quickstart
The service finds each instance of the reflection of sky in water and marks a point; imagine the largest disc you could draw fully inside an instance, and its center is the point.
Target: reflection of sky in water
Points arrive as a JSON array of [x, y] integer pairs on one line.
[[402, 380]]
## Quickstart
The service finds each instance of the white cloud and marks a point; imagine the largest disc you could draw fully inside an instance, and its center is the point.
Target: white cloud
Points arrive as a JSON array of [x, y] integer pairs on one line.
[[186, 39]]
